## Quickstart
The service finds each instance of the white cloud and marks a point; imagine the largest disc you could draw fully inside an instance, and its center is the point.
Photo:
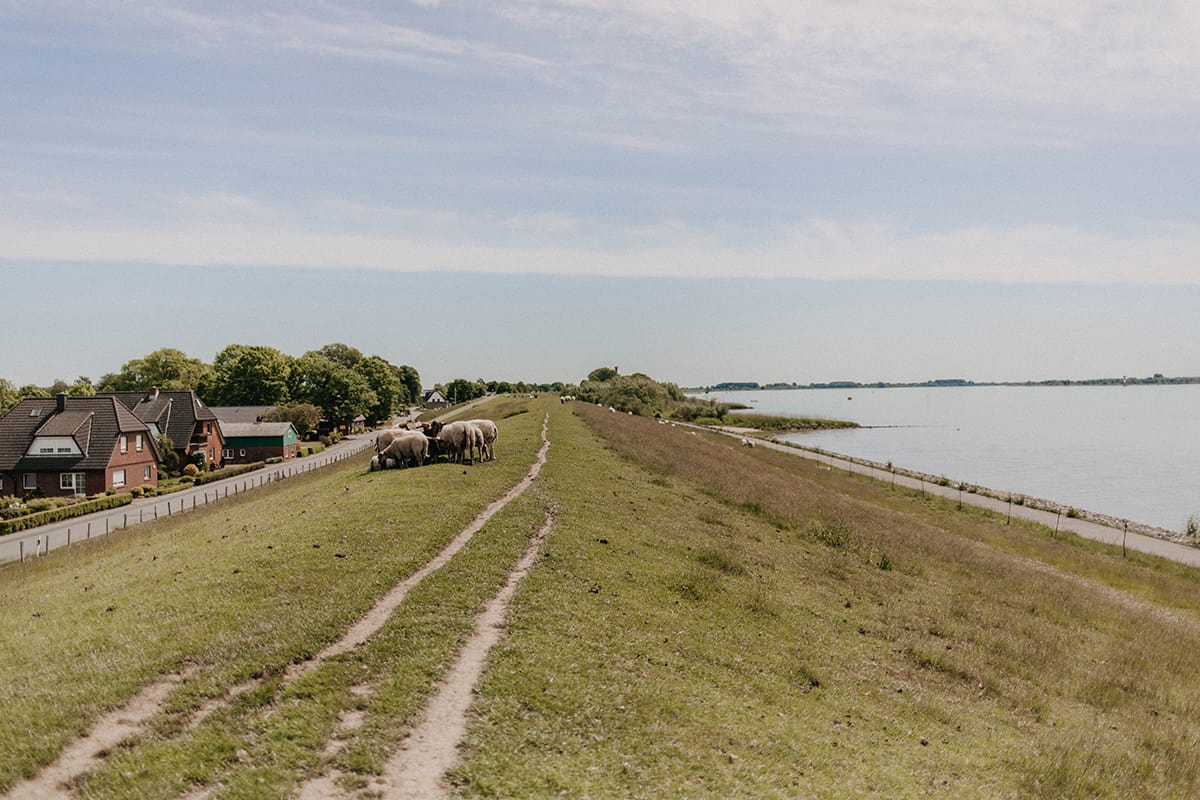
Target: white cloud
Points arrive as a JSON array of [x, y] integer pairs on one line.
[[815, 249]]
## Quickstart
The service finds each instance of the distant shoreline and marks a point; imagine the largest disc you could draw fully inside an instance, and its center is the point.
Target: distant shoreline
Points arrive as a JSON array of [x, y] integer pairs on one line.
[[944, 383]]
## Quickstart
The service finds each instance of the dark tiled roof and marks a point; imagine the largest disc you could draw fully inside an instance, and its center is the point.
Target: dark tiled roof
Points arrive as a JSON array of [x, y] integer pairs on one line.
[[240, 413], [94, 423], [174, 412]]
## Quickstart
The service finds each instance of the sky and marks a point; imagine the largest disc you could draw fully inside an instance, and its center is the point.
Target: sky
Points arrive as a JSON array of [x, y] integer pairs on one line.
[[527, 189]]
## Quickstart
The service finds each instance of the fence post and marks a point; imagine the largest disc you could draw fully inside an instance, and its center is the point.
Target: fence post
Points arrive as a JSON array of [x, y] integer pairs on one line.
[[21, 549], [89, 533], [68, 537], [125, 524]]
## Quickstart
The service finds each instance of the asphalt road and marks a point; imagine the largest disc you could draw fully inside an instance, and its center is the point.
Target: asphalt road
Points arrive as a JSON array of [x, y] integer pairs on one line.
[[39, 541], [1091, 530]]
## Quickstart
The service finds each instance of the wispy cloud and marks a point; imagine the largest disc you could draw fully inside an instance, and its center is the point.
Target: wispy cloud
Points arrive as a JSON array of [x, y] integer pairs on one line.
[[813, 249]]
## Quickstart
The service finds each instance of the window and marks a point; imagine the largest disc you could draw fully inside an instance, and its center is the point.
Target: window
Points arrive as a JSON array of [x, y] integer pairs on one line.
[[212, 454], [30, 480], [138, 443], [118, 477], [73, 481], [46, 451], [145, 473], [124, 444], [241, 453], [64, 450]]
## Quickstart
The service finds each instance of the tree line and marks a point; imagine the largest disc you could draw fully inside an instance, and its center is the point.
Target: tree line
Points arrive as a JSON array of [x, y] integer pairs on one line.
[[336, 381]]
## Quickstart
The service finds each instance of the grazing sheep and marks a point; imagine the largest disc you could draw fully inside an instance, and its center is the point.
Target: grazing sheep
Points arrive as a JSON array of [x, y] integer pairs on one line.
[[747, 442], [407, 446], [385, 437], [459, 438], [376, 465], [490, 434]]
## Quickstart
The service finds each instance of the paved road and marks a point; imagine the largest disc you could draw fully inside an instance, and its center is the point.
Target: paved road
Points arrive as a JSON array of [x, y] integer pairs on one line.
[[1091, 530], [31, 543], [39, 541]]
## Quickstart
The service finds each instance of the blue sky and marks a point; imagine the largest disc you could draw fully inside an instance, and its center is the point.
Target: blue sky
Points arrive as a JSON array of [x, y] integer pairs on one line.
[[701, 190]]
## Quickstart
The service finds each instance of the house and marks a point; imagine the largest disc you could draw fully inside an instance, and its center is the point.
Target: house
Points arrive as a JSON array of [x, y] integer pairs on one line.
[[358, 424], [432, 398], [74, 446], [241, 413], [248, 442], [182, 417]]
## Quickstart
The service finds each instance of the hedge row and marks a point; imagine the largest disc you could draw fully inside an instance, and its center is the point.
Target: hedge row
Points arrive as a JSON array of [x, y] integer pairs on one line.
[[66, 512], [226, 472]]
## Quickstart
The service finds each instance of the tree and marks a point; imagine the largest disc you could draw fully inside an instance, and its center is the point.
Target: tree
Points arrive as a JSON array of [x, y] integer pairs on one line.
[[8, 395], [245, 375], [29, 390], [410, 381], [461, 390], [303, 416], [384, 383], [342, 354], [165, 368], [82, 387], [602, 374], [340, 392]]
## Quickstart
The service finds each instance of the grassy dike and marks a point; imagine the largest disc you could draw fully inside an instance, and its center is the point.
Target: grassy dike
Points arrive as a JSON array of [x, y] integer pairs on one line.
[[240, 591], [709, 621], [706, 620]]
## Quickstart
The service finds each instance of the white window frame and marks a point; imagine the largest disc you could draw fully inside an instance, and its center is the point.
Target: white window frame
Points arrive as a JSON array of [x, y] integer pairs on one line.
[[137, 443], [124, 444], [241, 454], [29, 482], [74, 481], [118, 478], [146, 472]]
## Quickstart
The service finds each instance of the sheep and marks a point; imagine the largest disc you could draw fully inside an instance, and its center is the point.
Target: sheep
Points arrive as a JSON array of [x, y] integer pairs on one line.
[[406, 446], [490, 434], [385, 437], [459, 438], [747, 442]]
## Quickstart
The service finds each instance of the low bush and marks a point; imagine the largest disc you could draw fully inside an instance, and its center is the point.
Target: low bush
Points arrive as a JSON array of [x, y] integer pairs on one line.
[[64, 512], [226, 472], [191, 470]]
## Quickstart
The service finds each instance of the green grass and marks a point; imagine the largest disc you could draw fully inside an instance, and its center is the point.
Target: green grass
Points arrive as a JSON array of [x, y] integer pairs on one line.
[[705, 621], [240, 590], [960, 669]]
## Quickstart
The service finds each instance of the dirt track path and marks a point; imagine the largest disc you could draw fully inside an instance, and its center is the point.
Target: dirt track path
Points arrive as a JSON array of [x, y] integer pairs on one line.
[[55, 781], [417, 769], [87, 752]]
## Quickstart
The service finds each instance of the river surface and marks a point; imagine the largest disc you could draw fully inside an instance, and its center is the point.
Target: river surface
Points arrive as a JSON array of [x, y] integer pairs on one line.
[[1129, 451]]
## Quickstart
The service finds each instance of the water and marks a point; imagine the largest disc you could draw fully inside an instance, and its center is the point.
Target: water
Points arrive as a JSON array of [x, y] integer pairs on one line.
[[1129, 451]]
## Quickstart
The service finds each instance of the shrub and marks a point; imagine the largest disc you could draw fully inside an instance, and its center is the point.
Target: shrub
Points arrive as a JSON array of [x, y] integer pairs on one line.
[[63, 512], [191, 470], [135, 492], [1072, 513], [226, 472]]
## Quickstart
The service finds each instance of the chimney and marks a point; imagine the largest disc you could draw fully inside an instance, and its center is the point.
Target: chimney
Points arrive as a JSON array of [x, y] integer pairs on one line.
[[61, 404], [153, 394]]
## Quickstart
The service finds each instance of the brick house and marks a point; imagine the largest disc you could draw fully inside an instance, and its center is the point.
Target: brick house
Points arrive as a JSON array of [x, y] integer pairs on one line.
[[191, 426], [247, 442], [74, 446]]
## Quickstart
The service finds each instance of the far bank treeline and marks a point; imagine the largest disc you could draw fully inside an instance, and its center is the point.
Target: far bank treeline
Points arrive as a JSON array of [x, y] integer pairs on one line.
[[337, 382], [642, 395]]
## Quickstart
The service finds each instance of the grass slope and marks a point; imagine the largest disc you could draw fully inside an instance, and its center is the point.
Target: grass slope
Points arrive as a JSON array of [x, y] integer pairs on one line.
[[709, 621], [705, 621]]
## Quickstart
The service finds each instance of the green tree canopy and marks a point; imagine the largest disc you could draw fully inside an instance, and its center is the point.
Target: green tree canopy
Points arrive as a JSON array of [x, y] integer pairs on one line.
[[304, 416], [410, 382], [8, 395], [461, 390], [166, 368], [340, 392], [601, 374], [246, 375], [342, 354], [382, 379]]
